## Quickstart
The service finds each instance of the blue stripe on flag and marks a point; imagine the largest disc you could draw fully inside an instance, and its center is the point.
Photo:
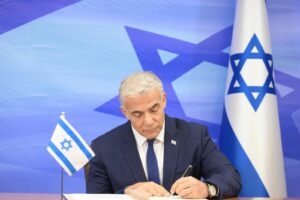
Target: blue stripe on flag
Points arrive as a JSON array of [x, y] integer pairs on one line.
[[75, 139], [62, 157], [231, 147]]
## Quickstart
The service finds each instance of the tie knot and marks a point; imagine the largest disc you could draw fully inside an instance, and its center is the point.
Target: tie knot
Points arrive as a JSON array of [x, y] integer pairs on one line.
[[150, 142]]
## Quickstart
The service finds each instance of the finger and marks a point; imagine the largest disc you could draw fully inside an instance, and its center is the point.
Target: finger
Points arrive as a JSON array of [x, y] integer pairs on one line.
[[177, 183], [164, 192], [139, 194], [155, 189], [160, 190], [186, 193], [152, 190], [136, 185], [183, 185]]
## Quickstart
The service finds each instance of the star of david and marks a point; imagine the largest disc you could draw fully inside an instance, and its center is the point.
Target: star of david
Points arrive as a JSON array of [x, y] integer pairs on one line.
[[220, 40], [146, 45], [254, 93], [190, 55], [66, 144]]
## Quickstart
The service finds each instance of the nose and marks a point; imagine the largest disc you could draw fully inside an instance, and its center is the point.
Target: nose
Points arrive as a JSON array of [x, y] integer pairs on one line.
[[148, 120]]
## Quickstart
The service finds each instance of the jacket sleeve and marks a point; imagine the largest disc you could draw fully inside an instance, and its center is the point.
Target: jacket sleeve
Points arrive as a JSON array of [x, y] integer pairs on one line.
[[216, 168], [98, 180]]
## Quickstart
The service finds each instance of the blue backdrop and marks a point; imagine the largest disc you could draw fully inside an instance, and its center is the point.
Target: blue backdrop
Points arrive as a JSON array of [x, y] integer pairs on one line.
[[70, 55]]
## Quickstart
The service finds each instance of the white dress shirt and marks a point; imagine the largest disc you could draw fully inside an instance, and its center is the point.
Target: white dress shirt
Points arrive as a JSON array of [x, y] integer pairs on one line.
[[158, 145]]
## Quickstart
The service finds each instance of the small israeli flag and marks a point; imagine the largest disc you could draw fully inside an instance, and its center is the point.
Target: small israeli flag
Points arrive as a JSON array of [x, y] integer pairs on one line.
[[173, 142], [68, 148]]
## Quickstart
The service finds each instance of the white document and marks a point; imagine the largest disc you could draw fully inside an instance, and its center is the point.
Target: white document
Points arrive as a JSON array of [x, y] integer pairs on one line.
[[111, 197], [97, 197], [165, 198]]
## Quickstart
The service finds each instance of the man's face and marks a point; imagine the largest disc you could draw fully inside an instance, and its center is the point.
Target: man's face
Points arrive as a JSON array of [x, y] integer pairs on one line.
[[146, 112]]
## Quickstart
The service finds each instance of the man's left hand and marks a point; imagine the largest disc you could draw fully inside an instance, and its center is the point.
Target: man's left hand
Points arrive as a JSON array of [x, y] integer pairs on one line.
[[190, 187]]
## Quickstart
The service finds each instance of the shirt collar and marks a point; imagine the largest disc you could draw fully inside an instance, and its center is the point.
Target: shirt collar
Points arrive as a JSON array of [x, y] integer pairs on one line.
[[140, 140]]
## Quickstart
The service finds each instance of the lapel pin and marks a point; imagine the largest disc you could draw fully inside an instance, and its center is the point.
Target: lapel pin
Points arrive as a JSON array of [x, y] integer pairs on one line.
[[173, 142]]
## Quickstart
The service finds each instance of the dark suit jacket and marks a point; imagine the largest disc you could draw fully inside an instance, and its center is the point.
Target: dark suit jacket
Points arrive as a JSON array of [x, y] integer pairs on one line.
[[117, 163]]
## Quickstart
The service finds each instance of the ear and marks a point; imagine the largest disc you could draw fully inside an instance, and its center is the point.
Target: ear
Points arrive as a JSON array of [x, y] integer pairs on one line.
[[124, 111], [164, 99]]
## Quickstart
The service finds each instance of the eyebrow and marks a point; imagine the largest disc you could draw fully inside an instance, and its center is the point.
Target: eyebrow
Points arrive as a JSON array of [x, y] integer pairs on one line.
[[155, 105], [140, 112], [136, 112]]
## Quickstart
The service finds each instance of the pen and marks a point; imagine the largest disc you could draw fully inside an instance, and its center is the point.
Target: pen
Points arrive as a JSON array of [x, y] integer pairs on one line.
[[186, 173]]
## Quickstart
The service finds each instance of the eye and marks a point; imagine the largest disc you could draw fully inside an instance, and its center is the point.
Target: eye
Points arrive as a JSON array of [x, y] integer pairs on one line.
[[155, 108], [137, 114]]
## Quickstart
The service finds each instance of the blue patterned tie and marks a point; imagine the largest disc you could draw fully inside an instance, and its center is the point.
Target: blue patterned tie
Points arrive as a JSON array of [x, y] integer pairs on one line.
[[152, 166]]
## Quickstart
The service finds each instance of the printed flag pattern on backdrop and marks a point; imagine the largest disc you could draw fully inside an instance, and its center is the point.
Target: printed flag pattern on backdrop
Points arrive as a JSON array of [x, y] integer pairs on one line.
[[68, 148], [250, 134]]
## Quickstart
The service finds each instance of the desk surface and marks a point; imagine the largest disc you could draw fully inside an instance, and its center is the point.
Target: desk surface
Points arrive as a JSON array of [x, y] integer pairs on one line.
[[34, 196], [28, 196]]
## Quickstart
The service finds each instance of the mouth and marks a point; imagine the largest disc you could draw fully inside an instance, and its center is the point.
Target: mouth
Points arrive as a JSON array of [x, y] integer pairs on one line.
[[150, 131]]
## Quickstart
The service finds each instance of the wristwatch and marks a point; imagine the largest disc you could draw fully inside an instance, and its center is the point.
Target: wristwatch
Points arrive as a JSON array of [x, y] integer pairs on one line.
[[213, 191]]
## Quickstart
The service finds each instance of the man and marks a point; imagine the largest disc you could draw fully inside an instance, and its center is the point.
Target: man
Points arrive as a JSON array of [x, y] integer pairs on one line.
[[151, 151]]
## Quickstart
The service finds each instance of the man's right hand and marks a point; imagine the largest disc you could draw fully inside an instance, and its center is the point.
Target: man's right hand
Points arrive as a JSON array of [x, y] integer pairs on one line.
[[147, 188]]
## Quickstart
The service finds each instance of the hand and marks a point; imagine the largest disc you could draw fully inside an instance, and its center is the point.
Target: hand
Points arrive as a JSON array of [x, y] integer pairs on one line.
[[147, 189], [190, 187], [137, 194]]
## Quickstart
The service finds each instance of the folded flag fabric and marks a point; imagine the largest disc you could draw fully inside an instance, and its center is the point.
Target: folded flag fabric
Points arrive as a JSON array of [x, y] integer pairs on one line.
[[68, 148], [250, 133]]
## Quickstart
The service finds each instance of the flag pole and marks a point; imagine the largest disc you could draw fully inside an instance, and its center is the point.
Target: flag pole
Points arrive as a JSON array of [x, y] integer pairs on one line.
[[62, 184], [62, 173]]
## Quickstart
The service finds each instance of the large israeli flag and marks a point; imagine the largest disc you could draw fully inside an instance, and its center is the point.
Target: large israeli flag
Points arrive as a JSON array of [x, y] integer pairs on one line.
[[250, 134], [68, 148]]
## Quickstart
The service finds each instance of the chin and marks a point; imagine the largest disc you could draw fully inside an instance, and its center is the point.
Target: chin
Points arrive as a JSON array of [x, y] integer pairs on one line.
[[150, 135]]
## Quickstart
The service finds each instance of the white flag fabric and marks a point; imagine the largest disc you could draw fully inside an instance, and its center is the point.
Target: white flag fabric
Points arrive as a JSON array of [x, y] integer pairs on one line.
[[250, 134], [68, 148]]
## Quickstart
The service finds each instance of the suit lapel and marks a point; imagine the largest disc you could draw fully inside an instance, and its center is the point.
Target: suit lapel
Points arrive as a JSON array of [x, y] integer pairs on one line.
[[170, 153], [131, 154]]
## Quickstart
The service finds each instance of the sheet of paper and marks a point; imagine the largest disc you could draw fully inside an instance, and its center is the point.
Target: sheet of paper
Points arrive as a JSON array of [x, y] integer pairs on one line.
[[111, 197], [97, 197], [165, 198], [171, 197]]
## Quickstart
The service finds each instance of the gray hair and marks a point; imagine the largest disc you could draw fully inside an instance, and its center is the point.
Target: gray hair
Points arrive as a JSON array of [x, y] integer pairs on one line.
[[139, 82]]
